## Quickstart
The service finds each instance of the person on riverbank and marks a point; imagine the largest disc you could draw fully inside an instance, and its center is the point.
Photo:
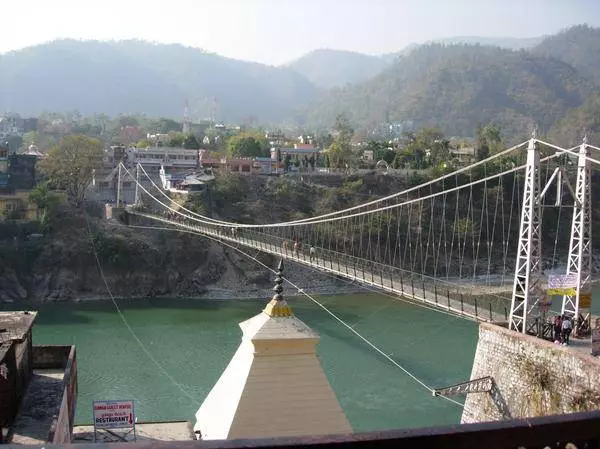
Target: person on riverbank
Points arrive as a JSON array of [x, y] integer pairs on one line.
[[557, 329], [567, 327]]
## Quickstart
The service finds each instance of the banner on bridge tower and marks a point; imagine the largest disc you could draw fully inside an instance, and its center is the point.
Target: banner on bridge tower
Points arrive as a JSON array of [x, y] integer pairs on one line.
[[562, 285]]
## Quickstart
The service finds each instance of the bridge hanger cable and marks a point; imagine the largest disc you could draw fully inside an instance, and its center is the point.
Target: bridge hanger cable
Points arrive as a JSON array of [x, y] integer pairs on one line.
[[360, 206], [360, 239], [329, 312], [392, 206], [141, 344]]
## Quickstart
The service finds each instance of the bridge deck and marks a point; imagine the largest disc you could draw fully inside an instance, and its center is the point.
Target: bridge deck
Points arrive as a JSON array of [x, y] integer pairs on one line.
[[422, 289]]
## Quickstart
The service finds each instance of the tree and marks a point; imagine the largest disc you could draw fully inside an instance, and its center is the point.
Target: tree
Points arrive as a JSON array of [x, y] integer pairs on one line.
[[176, 139], [190, 142], [247, 145], [488, 140], [340, 151], [70, 165], [47, 202]]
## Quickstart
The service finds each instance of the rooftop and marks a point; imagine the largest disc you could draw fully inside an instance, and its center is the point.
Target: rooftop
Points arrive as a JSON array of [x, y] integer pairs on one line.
[[15, 325]]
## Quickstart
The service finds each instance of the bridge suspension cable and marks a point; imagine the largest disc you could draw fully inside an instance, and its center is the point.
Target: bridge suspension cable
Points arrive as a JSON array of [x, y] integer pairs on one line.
[[337, 218], [360, 206], [349, 327]]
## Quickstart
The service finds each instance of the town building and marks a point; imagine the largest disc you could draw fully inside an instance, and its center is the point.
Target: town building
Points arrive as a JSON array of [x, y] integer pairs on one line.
[[155, 157], [22, 171], [16, 205], [38, 385], [130, 134], [463, 155], [191, 181], [274, 386]]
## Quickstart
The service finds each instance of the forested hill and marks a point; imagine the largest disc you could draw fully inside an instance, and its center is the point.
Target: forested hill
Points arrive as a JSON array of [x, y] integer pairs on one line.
[[578, 46], [140, 77], [457, 87], [331, 68]]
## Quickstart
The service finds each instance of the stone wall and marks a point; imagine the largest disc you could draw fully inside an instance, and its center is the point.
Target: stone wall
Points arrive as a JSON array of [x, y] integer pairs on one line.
[[533, 377]]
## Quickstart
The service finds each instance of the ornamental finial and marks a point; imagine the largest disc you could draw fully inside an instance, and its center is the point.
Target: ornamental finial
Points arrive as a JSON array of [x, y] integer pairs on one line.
[[534, 132], [278, 289]]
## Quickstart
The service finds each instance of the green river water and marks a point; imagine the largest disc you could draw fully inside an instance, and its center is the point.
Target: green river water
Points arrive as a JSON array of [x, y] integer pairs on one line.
[[194, 340]]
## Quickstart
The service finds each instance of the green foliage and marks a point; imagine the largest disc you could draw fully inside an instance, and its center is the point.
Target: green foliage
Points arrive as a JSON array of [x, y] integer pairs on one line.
[[176, 139], [340, 151], [489, 141], [288, 192], [119, 252], [195, 202], [456, 87], [47, 202], [70, 165], [578, 122], [578, 46], [381, 151], [247, 144], [190, 142], [158, 78], [228, 190]]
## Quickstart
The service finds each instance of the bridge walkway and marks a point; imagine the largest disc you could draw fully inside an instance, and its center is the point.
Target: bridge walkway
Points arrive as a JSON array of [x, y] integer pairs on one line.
[[437, 293]]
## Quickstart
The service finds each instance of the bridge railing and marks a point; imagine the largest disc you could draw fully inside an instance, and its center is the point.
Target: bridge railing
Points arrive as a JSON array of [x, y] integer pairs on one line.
[[458, 299], [455, 298]]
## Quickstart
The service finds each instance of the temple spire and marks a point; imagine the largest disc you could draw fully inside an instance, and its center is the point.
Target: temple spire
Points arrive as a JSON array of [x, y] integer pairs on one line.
[[278, 307]]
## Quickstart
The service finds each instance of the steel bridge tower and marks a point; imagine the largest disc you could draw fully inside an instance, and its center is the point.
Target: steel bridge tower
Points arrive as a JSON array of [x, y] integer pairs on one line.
[[580, 246], [526, 287]]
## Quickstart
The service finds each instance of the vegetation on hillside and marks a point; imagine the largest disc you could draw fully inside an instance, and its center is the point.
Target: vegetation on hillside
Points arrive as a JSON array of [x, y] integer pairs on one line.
[[458, 87], [327, 68], [140, 77], [70, 165], [578, 46]]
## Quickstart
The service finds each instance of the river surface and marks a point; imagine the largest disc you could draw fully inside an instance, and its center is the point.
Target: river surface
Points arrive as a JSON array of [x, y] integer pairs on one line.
[[193, 340]]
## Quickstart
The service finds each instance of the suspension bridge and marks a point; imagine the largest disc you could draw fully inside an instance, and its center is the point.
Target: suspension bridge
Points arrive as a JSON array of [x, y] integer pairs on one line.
[[468, 242]]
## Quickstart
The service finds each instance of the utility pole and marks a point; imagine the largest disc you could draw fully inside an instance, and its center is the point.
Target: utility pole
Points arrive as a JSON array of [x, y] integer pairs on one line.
[[580, 246], [119, 187], [526, 287]]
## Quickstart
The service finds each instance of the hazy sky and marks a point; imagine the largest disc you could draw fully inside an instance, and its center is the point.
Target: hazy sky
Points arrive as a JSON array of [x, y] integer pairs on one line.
[[277, 31]]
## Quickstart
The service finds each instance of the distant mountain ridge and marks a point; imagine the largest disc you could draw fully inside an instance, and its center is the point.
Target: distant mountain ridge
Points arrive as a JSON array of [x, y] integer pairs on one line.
[[455, 87], [554, 84], [328, 68], [140, 77]]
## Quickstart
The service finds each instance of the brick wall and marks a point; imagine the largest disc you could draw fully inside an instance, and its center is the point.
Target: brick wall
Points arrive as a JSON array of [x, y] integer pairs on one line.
[[534, 377]]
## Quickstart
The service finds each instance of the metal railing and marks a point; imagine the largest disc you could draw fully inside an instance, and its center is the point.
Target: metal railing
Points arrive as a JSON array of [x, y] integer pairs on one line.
[[435, 292]]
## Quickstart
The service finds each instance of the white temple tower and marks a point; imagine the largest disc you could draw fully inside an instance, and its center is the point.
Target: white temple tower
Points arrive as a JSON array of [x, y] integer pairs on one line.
[[274, 386]]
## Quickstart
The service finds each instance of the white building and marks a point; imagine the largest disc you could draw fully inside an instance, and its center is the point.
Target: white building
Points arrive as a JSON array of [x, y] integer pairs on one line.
[[274, 386], [168, 157]]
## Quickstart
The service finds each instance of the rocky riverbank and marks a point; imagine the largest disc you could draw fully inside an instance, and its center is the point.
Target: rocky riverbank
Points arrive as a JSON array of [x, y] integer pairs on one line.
[[142, 263]]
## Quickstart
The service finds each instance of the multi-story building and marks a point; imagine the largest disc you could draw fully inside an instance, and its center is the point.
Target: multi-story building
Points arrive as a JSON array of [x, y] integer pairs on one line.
[[154, 157]]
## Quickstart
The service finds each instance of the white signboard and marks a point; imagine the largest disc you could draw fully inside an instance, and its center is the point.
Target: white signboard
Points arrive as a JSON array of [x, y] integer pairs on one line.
[[562, 284], [114, 414]]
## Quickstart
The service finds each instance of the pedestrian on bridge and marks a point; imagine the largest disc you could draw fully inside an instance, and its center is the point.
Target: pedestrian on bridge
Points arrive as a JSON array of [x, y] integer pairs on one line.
[[313, 252], [567, 327], [296, 249], [557, 329], [285, 246]]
